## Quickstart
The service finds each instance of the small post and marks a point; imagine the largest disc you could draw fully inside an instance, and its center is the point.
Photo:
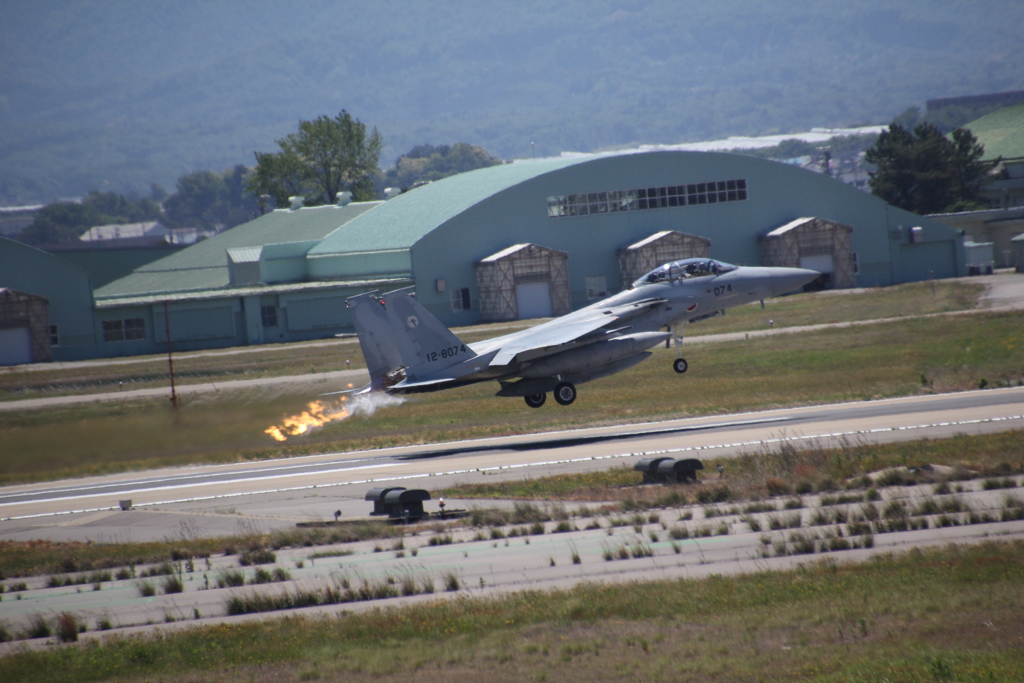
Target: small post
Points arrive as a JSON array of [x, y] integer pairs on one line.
[[170, 359]]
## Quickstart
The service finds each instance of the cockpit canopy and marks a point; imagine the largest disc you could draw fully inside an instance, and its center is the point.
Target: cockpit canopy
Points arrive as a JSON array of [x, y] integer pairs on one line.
[[687, 268]]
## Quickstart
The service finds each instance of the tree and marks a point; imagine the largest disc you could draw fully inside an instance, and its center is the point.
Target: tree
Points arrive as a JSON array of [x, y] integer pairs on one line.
[[324, 157], [205, 199], [426, 163], [926, 172]]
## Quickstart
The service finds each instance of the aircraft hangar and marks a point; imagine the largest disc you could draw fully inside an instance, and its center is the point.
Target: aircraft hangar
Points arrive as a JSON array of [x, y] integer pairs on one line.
[[519, 240]]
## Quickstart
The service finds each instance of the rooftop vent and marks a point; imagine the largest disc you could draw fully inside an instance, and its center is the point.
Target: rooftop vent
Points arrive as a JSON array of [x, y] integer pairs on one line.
[[391, 192], [343, 198], [297, 202]]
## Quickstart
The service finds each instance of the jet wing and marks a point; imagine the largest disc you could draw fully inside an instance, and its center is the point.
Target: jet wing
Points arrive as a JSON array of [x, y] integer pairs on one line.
[[550, 337]]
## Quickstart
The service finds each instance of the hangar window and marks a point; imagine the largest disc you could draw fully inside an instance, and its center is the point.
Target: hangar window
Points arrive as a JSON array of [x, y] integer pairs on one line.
[[597, 287], [613, 201], [460, 299], [268, 314], [54, 336], [129, 329]]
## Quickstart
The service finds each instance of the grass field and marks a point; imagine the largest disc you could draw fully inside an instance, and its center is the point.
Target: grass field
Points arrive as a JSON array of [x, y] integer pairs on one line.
[[892, 359], [955, 613]]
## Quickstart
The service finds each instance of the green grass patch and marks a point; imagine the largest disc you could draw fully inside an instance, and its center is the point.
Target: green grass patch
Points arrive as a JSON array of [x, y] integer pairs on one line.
[[953, 613], [835, 306]]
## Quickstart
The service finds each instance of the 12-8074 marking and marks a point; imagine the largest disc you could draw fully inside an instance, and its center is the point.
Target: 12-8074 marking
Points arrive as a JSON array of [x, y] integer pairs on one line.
[[449, 352]]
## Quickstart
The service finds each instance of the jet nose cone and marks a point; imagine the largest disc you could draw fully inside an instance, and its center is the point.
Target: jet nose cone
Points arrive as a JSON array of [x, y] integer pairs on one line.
[[786, 280]]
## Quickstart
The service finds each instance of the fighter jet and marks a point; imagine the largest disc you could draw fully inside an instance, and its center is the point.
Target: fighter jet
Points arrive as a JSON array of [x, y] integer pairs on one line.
[[408, 350]]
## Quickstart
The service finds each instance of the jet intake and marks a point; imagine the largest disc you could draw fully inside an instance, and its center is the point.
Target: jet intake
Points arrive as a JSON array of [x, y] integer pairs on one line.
[[594, 355]]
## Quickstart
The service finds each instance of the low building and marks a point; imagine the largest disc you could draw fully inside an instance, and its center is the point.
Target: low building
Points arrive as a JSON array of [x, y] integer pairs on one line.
[[1002, 134]]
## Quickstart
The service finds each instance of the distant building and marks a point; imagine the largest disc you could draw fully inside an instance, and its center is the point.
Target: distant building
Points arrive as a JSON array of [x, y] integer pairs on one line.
[[14, 219], [1002, 134], [150, 231]]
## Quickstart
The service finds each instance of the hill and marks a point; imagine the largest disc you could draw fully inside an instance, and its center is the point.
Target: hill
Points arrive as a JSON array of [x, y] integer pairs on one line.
[[115, 95]]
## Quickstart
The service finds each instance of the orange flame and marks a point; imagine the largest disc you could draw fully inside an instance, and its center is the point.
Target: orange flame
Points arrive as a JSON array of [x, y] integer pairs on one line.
[[316, 415]]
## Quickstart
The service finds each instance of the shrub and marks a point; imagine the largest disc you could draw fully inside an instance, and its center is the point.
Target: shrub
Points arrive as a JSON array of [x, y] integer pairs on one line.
[[776, 486], [67, 628], [38, 628], [173, 584], [257, 556], [230, 579], [442, 539], [147, 589]]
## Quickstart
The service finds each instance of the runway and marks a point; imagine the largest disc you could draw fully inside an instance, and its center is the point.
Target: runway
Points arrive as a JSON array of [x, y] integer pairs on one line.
[[259, 497], [539, 454]]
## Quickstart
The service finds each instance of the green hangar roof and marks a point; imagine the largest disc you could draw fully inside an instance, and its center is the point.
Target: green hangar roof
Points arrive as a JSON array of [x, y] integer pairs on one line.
[[407, 218], [204, 265], [1001, 132]]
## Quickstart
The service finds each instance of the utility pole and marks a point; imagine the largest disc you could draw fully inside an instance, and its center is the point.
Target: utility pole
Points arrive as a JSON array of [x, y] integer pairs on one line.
[[170, 359]]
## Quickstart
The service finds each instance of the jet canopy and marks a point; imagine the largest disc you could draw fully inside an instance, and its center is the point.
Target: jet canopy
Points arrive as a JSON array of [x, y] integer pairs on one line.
[[687, 268]]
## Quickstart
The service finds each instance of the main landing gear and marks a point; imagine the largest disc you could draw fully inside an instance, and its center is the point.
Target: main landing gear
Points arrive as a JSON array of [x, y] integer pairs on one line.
[[565, 394], [679, 364]]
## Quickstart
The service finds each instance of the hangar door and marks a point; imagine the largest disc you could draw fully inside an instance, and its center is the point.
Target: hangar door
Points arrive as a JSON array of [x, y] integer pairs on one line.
[[533, 299], [523, 281], [24, 328], [660, 248], [15, 346], [815, 243]]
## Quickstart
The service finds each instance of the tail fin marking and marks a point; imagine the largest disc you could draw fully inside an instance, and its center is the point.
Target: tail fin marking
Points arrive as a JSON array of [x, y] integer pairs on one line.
[[426, 346]]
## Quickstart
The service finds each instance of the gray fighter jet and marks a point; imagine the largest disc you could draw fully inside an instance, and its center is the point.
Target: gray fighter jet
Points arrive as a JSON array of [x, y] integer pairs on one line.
[[408, 350]]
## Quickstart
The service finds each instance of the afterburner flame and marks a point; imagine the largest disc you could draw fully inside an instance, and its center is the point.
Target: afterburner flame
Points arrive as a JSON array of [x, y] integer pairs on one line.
[[317, 414]]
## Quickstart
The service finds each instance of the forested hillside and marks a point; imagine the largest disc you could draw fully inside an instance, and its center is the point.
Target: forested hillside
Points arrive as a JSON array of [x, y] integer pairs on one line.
[[117, 94]]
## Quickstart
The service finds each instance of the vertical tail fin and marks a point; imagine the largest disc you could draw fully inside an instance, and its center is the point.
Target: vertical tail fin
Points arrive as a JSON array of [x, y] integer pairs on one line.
[[426, 346], [375, 337]]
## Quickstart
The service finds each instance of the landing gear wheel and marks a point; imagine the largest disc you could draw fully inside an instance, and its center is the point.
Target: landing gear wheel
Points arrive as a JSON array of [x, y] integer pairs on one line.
[[535, 400], [680, 365], [565, 393]]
